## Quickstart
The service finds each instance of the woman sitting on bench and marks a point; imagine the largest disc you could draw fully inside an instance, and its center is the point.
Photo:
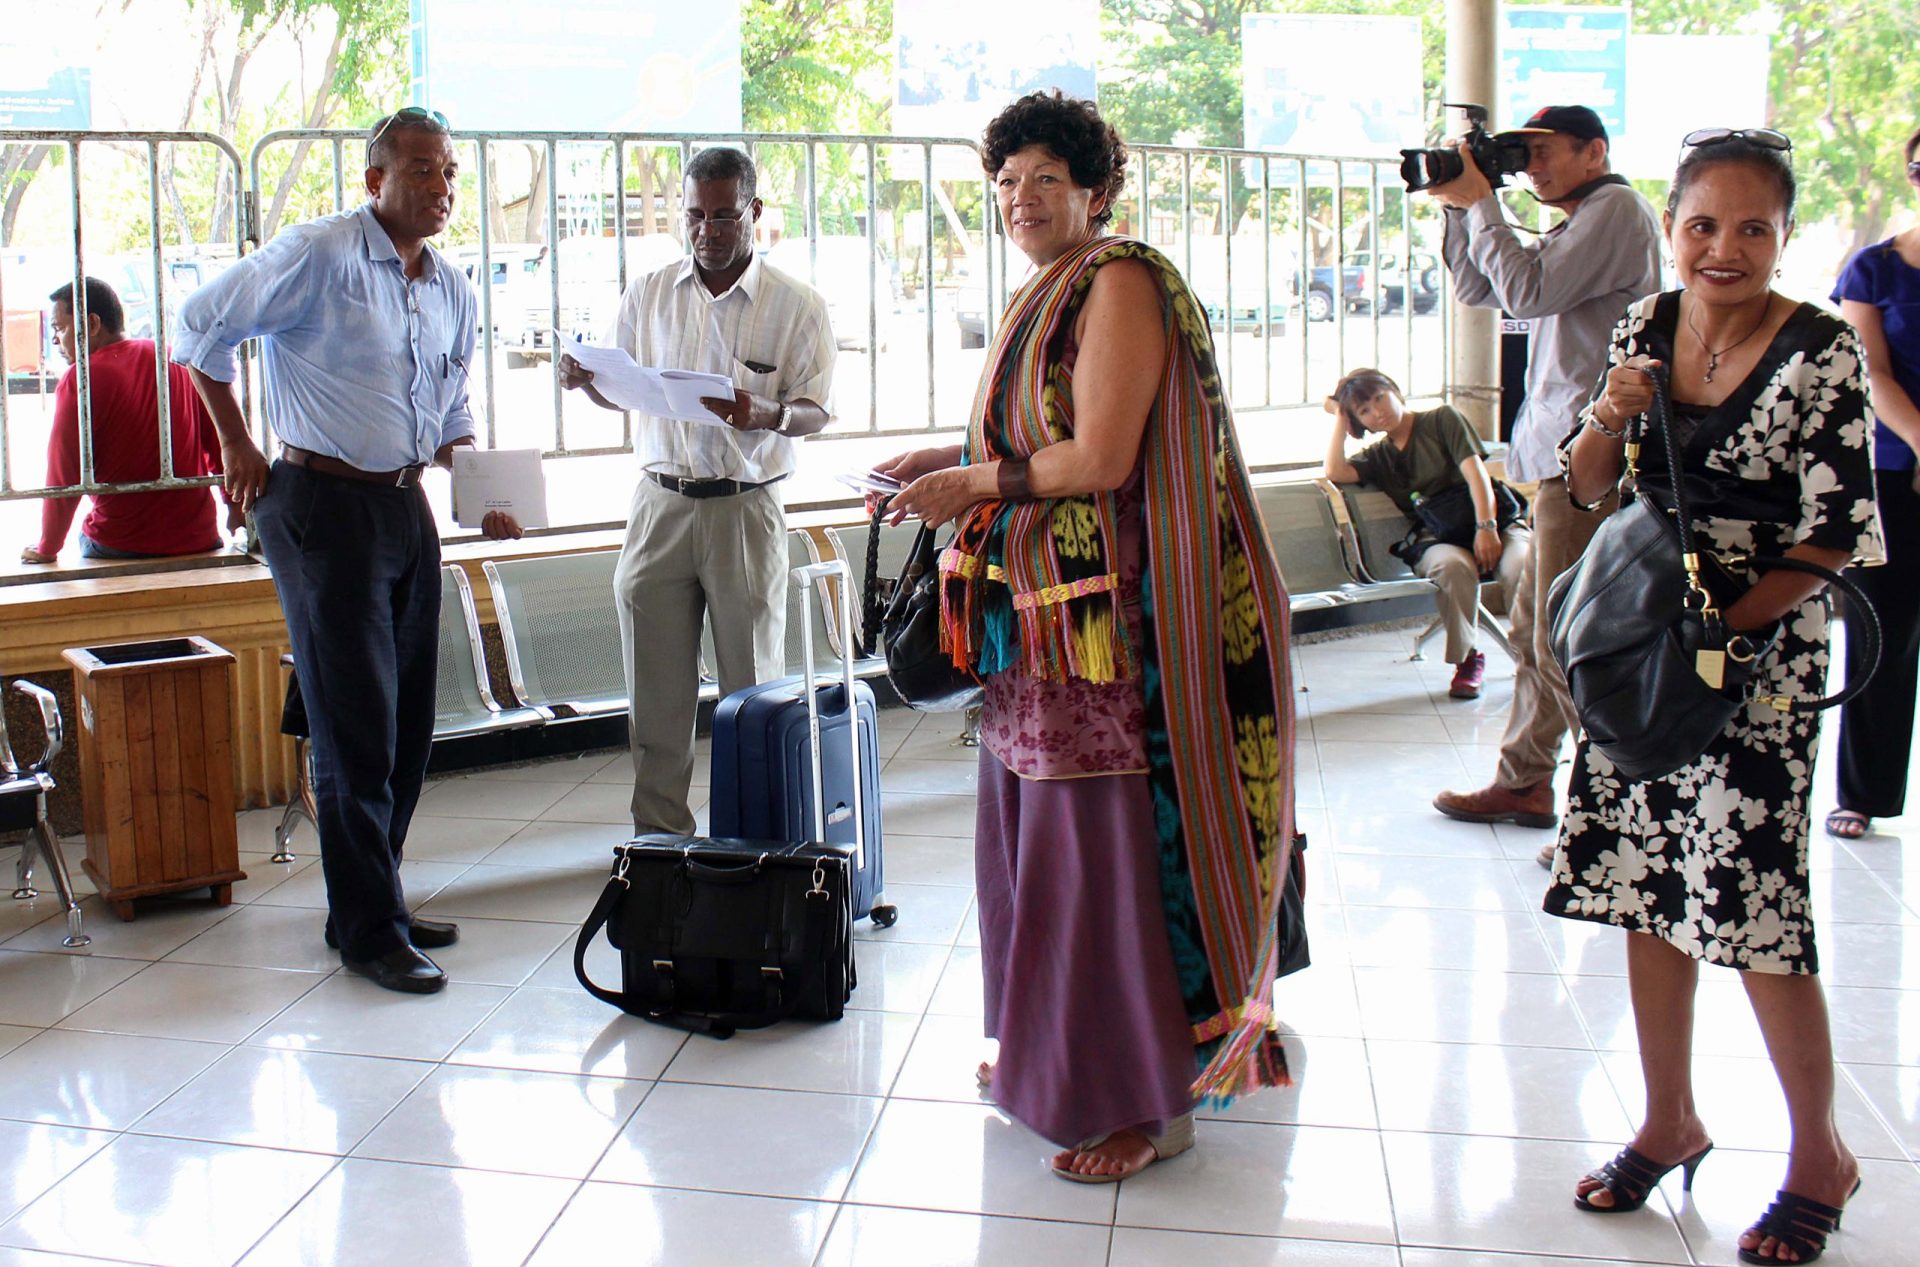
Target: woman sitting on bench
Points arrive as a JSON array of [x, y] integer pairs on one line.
[[1466, 527]]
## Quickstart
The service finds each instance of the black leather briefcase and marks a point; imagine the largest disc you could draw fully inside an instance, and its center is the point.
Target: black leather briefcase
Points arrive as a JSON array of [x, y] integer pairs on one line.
[[719, 935]]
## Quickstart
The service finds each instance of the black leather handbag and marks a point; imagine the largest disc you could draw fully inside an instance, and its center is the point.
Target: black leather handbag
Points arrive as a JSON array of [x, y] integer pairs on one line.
[[1448, 518], [721, 935], [904, 621], [1636, 625]]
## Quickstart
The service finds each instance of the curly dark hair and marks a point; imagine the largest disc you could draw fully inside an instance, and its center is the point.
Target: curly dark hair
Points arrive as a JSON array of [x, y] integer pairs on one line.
[[1072, 130]]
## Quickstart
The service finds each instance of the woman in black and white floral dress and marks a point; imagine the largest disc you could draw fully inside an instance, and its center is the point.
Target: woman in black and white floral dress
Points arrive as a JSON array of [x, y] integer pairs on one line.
[[1710, 863]]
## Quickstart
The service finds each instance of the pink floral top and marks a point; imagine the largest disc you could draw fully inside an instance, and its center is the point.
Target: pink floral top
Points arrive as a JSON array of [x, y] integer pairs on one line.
[[1072, 729]]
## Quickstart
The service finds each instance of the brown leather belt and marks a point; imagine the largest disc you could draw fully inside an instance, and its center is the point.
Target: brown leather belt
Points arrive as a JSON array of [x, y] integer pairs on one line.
[[321, 464], [707, 488]]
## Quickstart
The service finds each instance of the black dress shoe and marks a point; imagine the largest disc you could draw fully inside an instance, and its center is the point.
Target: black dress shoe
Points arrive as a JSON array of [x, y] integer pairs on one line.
[[427, 934], [404, 969], [432, 934]]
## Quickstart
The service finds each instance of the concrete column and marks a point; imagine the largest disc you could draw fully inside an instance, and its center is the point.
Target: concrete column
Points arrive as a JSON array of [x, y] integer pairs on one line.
[[1473, 60]]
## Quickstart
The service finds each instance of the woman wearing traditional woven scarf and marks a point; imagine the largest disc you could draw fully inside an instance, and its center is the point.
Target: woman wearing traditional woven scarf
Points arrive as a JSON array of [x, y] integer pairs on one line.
[[1709, 863], [1110, 582]]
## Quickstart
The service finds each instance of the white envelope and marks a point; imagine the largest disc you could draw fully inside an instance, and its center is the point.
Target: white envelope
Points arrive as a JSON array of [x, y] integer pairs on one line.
[[499, 479]]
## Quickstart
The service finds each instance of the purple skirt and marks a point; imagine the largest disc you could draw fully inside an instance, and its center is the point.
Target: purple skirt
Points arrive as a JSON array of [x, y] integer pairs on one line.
[[1080, 982]]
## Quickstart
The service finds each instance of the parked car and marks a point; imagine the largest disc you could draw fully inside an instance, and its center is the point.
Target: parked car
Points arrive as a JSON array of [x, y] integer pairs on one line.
[[1394, 283], [970, 307], [589, 292], [514, 268], [842, 268], [1258, 283]]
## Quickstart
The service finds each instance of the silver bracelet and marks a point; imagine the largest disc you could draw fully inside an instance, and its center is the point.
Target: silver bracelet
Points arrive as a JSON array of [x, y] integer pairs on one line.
[[1593, 423]]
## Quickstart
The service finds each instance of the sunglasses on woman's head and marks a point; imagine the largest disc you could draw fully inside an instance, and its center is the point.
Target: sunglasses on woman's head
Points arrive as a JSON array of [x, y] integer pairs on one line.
[[1765, 138], [1913, 171], [407, 112]]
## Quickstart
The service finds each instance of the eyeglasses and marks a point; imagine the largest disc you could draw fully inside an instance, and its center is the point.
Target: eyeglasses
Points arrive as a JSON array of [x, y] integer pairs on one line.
[[716, 220], [1765, 138], [406, 112]]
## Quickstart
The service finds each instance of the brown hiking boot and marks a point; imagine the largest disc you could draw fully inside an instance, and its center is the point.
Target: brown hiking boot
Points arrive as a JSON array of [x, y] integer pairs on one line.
[[1523, 807]]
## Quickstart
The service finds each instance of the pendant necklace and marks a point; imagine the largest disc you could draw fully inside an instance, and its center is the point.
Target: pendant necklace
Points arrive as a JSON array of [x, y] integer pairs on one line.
[[1713, 357]]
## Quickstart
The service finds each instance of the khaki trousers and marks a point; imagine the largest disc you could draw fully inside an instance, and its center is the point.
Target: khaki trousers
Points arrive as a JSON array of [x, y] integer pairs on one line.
[[1454, 571], [686, 558], [1542, 710]]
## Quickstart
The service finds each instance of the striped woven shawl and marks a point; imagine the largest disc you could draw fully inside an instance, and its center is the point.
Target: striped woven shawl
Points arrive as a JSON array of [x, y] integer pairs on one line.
[[1032, 586]]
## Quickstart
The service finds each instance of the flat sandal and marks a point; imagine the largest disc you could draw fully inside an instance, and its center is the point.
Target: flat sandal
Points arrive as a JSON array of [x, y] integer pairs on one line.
[[1176, 1139]]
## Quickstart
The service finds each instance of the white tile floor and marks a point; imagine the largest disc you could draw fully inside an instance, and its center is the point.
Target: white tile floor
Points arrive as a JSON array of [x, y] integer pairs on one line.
[[203, 1086]]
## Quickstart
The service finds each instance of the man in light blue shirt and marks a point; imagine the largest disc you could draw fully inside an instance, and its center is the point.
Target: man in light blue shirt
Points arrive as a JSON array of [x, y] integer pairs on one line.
[[366, 334]]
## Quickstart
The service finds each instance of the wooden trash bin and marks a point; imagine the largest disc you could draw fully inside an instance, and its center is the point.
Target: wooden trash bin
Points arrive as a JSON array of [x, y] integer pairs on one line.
[[156, 768]]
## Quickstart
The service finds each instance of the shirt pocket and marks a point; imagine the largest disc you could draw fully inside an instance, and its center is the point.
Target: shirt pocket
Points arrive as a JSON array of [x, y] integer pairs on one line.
[[759, 382]]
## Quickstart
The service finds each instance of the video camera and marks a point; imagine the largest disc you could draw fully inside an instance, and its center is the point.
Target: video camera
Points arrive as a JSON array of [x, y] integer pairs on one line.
[[1496, 157]]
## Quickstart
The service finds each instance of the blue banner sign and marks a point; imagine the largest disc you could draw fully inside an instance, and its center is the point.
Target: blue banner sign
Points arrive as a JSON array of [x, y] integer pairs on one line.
[[1563, 55]]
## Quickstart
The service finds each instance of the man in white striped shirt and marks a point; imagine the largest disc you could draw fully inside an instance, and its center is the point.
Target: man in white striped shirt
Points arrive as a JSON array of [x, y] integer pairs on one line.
[[707, 532]]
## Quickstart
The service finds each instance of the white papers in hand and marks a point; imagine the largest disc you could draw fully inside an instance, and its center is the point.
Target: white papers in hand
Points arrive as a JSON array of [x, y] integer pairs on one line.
[[662, 393], [499, 479]]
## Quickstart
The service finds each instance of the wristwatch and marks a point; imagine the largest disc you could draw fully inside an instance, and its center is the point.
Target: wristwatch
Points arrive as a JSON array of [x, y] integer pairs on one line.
[[786, 419], [1487, 525]]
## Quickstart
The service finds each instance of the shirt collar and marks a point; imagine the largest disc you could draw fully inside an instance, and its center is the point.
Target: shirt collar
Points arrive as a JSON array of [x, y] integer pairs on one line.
[[748, 283], [380, 244]]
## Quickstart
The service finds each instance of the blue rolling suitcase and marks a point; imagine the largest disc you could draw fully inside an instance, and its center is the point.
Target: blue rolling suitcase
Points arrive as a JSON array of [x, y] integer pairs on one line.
[[788, 755]]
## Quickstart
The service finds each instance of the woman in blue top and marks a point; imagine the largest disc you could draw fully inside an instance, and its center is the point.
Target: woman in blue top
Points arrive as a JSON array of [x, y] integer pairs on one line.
[[1880, 294]]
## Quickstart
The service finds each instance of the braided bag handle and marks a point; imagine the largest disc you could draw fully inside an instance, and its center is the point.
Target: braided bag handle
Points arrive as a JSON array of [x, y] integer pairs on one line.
[[873, 604]]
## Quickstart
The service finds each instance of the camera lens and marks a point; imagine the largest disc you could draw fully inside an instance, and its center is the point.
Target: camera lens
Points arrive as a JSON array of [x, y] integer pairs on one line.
[[1423, 169]]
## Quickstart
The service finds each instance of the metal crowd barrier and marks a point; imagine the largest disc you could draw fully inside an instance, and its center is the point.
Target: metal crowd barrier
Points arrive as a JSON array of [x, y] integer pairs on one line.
[[1172, 191], [77, 145]]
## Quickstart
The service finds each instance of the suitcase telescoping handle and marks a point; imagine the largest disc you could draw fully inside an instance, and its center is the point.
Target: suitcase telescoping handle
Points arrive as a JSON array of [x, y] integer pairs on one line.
[[804, 580]]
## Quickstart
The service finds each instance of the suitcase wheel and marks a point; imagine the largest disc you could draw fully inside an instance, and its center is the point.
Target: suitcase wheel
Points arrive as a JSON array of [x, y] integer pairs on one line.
[[884, 916]]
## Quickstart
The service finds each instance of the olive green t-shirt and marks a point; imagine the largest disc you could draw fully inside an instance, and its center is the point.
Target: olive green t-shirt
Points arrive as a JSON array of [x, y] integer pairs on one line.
[[1440, 441]]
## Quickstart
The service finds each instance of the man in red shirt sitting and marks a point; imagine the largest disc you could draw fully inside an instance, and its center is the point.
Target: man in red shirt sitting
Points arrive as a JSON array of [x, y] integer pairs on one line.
[[126, 445]]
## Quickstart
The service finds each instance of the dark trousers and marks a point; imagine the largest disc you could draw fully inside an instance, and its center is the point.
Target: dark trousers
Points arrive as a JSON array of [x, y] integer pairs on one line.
[[1876, 728], [357, 567]]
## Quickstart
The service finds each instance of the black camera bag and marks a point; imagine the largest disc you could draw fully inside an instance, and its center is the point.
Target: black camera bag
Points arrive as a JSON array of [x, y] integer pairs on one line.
[[720, 935]]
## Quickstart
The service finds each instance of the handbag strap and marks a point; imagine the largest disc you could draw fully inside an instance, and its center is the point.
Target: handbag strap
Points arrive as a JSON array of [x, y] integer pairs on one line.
[[871, 608], [714, 1024], [1862, 622]]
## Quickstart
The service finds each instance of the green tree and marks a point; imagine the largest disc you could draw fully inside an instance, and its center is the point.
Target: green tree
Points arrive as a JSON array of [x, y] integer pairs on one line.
[[1171, 75], [362, 72], [1171, 69], [814, 65], [1842, 83]]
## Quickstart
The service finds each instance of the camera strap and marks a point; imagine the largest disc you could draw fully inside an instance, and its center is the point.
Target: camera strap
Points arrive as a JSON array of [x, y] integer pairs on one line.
[[1611, 178], [1598, 182]]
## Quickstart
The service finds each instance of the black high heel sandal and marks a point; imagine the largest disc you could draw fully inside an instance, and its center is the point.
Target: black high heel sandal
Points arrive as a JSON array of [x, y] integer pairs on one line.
[[1800, 1223], [1632, 1176]]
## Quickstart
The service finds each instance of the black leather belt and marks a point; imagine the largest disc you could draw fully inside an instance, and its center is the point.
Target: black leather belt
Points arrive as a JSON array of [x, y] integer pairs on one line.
[[321, 464], [707, 488]]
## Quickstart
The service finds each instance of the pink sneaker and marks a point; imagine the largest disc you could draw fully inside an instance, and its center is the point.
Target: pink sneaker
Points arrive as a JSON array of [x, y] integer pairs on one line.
[[1468, 675]]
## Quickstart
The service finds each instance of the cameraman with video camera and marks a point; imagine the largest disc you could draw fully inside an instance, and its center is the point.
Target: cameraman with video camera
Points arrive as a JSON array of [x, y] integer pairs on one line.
[[1574, 282]]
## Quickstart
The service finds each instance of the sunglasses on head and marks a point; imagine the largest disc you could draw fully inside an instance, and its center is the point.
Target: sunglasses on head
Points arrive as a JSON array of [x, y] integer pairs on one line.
[[406, 112], [1913, 170], [1765, 138]]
